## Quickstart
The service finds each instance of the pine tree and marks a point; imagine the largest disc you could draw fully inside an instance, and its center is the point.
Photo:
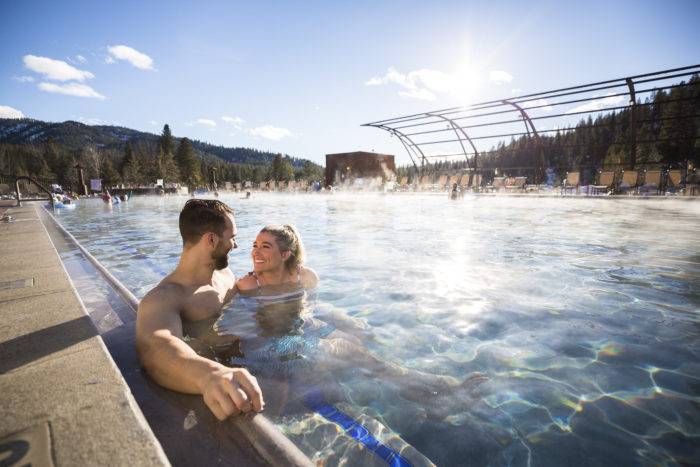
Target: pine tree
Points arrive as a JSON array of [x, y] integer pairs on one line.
[[166, 167], [188, 163], [107, 172], [130, 167], [166, 141]]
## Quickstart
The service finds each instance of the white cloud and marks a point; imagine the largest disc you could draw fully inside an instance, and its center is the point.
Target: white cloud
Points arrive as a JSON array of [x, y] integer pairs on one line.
[[153, 122], [23, 79], [80, 58], [418, 84], [500, 77], [55, 69], [237, 122], [597, 104], [8, 112], [71, 89], [202, 121], [138, 59], [270, 132]]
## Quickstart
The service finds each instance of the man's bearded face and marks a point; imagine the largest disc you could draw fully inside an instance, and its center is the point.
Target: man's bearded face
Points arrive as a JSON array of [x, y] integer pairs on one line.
[[220, 256]]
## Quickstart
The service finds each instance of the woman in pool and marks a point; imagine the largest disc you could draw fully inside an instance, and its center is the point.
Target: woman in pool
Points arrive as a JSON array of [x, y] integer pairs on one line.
[[278, 257]]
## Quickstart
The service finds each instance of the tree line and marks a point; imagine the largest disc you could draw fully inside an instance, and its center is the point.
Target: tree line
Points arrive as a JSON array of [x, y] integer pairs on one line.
[[667, 134], [141, 162]]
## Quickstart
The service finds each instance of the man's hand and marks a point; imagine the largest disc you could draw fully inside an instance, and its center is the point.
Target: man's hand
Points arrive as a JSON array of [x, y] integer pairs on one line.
[[230, 391]]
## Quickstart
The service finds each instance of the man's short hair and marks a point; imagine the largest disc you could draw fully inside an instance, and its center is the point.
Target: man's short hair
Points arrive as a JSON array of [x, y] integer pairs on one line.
[[200, 216]]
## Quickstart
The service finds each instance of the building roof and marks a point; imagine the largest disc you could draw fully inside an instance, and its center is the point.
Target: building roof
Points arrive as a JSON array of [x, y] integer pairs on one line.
[[360, 153]]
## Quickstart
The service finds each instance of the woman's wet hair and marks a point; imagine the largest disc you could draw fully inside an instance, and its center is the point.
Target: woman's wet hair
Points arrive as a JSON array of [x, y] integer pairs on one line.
[[200, 216], [288, 239]]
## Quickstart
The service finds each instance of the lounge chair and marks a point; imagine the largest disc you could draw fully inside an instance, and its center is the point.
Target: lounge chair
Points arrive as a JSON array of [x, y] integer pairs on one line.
[[652, 181], [424, 182], [674, 180], [571, 182], [496, 184], [453, 179], [476, 182], [606, 183], [515, 183], [442, 183], [628, 181], [464, 181]]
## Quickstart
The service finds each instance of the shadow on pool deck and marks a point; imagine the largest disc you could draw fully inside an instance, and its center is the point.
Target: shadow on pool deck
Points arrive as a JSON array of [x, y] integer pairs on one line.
[[57, 379]]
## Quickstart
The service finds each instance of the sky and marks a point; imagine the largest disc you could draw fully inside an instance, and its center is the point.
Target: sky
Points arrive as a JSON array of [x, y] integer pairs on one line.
[[300, 77]]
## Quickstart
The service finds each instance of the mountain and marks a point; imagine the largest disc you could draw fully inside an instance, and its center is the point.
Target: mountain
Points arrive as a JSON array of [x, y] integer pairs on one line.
[[76, 135]]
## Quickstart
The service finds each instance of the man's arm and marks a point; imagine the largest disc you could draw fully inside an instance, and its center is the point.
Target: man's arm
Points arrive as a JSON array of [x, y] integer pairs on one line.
[[174, 365]]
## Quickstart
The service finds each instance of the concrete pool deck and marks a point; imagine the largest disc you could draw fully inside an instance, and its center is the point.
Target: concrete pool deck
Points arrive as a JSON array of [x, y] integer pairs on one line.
[[64, 402]]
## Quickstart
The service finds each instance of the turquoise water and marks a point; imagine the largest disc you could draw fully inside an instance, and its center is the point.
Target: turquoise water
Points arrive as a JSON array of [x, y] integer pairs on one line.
[[565, 331]]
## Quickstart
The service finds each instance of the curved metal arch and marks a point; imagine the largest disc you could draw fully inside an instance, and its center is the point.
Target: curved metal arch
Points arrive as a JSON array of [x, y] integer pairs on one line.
[[539, 173], [526, 118], [406, 148], [458, 129], [403, 138]]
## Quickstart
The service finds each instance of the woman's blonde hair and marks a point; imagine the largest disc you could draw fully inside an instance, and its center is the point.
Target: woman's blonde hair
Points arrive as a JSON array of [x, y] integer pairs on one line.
[[288, 239]]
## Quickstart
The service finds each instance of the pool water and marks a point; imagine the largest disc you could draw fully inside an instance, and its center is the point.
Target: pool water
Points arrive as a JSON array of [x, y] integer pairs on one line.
[[483, 331]]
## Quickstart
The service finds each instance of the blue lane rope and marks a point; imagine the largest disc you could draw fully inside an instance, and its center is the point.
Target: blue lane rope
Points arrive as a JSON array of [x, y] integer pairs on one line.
[[317, 402]]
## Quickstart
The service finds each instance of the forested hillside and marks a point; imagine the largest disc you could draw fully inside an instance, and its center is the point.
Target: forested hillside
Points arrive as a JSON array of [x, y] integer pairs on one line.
[[122, 155]]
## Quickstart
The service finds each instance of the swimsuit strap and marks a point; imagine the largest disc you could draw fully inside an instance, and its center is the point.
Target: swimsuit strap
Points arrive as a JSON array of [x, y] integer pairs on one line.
[[257, 281]]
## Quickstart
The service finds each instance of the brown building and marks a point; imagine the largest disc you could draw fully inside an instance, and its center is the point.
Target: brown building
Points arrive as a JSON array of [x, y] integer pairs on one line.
[[348, 166]]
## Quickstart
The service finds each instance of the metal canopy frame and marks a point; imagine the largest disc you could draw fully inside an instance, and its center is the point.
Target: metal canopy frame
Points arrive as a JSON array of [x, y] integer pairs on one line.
[[416, 131]]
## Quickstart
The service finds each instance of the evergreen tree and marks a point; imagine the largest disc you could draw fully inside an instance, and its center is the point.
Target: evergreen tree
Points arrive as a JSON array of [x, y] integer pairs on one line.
[[281, 169], [188, 163], [166, 141], [130, 167], [166, 167], [108, 174]]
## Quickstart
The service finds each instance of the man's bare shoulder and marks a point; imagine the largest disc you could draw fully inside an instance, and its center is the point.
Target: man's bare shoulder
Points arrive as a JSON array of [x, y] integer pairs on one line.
[[165, 294]]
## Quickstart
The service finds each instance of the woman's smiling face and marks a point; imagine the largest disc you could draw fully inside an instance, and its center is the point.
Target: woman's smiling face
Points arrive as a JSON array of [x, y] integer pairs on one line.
[[266, 253]]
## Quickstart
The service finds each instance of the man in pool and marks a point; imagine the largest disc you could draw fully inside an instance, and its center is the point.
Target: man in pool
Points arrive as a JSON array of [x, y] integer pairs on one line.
[[196, 291]]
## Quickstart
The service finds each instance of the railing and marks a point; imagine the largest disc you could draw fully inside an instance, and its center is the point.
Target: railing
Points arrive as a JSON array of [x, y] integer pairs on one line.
[[41, 187]]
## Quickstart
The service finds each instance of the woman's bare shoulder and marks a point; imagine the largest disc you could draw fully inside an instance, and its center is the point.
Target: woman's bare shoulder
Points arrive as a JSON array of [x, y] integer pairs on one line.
[[309, 278], [247, 282]]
